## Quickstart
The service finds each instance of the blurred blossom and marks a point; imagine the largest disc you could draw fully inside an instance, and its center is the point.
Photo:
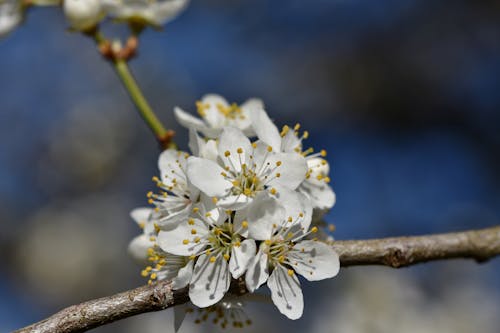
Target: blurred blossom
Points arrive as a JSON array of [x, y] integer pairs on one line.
[[144, 12], [83, 14], [67, 247], [381, 300], [11, 15], [86, 147]]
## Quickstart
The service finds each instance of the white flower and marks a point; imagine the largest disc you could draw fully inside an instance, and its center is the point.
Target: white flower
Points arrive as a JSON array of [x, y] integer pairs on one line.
[[217, 113], [315, 185], [219, 249], [162, 265], [206, 148], [83, 14], [243, 170], [175, 202], [152, 12], [284, 253], [11, 15]]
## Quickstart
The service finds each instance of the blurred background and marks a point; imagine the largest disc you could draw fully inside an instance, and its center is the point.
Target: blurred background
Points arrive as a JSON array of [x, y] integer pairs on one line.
[[403, 94]]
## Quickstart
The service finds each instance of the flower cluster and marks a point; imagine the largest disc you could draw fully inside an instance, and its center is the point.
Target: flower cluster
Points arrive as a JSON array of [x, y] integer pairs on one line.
[[84, 15], [240, 206]]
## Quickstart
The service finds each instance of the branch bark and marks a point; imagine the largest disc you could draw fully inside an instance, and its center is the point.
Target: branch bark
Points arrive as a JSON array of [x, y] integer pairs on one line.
[[480, 245]]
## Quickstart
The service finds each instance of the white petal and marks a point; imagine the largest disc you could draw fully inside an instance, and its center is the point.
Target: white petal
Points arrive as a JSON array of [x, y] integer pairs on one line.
[[195, 142], [138, 248], [297, 206], [290, 142], [212, 114], [210, 281], [286, 292], [172, 220], [263, 213], [206, 175], [172, 241], [187, 120], [293, 170], [230, 141], [257, 272], [234, 202], [184, 276], [141, 215], [240, 257], [265, 129], [314, 260], [322, 197]]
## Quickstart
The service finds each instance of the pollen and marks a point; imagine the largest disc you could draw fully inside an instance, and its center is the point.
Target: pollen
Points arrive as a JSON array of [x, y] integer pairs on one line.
[[267, 242], [226, 256], [239, 151], [244, 224], [269, 148], [290, 272], [197, 240], [290, 219], [273, 191], [214, 200], [191, 221], [185, 242], [331, 227], [193, 231], [278, 163], [314, 229], [254, 145], [323, 153], [227, 153], [212, 259], [196, 210]]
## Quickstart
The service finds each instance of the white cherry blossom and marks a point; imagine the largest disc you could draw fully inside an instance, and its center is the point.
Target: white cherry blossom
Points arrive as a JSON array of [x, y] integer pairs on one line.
[[175, 202], [218, 248], [243, 170], [83, 14], [216, 113], [151, 12], [315, 186], [282, 254]]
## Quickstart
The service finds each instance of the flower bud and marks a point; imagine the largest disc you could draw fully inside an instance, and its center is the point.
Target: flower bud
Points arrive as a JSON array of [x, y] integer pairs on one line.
[[83, 14]]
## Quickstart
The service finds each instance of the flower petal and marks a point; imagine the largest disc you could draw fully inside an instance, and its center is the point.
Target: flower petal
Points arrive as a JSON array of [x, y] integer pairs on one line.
[[174, 241], [265, 129], [234, 202], [322, 197], [231, 140], [141, 215], [210, 281], [187, 120], [138, 248], [264, 212], [240, 257], [314, 260], [184, 276], [297, 206], [292, 169], [257, 272], [286, 292], [212, 115], [206, 175]]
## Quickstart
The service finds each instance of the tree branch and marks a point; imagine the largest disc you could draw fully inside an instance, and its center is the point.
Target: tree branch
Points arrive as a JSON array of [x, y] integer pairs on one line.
[[480, 245]]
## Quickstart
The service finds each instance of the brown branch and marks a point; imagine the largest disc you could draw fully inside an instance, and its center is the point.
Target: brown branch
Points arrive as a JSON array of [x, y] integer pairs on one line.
[[480, 245]]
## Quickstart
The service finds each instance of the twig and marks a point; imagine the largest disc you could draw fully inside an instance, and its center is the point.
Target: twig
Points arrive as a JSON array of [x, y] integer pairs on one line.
[[480, 245]]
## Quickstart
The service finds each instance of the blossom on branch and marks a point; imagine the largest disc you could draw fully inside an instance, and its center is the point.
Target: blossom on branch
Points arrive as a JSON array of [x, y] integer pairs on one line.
[[238, 207]]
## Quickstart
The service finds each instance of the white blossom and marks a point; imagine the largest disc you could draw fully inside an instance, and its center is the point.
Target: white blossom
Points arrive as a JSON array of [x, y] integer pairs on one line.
[[83, 14], [243, 170], [218, 248], [216, 113], [282, 254], [152, 12], [315, 186], [175, 202], [11, 15]]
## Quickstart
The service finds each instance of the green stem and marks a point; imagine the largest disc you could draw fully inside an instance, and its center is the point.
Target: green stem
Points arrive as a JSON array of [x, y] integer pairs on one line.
[[140, 101]]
